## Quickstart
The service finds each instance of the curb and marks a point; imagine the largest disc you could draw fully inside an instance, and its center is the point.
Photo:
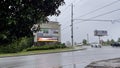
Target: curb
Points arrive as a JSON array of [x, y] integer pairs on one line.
[[45, 53], [109, 63]]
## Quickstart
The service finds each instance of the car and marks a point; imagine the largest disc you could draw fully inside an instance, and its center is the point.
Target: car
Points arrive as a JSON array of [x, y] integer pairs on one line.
[[96, 45], [79, 44], [115, 44]]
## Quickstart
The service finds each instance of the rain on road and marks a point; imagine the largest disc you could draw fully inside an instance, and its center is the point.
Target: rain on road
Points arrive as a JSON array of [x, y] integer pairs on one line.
[[75, 59]]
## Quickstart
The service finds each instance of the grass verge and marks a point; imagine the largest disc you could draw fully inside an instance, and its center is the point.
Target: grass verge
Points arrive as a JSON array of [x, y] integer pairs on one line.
[[25, 53]]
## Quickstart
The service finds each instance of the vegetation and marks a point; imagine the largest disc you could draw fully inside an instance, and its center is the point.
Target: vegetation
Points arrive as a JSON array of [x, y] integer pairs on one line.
[[46, 47], [36, 52], [24, 44], [84, 42], [17, 46], [118, 40], [108, 42], [18, 16]]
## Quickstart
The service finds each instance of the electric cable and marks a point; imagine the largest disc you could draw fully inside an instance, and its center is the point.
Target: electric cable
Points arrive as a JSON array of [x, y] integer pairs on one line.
[[100, 8]]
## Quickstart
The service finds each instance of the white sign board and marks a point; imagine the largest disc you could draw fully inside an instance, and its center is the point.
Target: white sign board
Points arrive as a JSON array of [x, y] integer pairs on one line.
[[100, 33], [48, 35]]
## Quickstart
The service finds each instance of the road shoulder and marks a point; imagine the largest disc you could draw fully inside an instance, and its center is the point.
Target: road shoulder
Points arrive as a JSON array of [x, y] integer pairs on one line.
[[41, 52]]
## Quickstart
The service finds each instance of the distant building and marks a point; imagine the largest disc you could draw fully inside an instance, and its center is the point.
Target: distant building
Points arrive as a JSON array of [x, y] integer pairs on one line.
[[49, 32]]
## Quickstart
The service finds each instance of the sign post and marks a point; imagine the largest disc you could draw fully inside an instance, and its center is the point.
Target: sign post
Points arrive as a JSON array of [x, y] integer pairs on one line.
[[100, 33]]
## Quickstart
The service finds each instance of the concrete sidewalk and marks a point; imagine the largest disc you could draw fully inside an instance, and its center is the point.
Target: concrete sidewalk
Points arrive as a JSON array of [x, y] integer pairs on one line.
[[110, 63]]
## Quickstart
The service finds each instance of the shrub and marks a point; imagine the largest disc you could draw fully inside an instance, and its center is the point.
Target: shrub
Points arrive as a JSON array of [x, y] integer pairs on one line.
[[45, 47], [17, 45]]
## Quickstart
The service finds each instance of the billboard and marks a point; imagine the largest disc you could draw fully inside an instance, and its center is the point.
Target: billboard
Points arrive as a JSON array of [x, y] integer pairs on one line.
[[100, 33], [47, 39], [48, 35]]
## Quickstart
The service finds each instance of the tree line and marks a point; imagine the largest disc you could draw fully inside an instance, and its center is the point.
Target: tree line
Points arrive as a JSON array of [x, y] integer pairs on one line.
[[108, 42]]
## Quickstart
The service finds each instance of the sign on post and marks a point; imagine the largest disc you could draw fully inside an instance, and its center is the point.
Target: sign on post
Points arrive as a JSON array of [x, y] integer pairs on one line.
[[100, 33]]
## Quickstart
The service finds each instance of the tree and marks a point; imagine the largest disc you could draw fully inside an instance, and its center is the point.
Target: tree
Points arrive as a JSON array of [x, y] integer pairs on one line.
[[84, 41], [118, 40], [108, 42], [112, 41], [18, 16]]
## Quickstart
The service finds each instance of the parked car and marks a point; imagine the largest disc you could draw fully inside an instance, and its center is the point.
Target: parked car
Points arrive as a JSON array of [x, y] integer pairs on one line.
[[96, 45], [115, 44]]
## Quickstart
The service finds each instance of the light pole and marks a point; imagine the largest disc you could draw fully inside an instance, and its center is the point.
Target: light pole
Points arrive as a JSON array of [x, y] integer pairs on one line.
[[72, 38], [87, 38]]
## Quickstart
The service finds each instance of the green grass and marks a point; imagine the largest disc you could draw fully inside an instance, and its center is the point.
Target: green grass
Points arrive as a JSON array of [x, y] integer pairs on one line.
[[23, 53]]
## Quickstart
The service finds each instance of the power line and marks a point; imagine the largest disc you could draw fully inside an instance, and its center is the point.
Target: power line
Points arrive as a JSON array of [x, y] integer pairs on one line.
[[97, 16], [105, 13], [74, 1], [91, 19], [100, 8], [65, 28], [102, 15], [113, 21], [94, 20], [65, 9], [77, 1]]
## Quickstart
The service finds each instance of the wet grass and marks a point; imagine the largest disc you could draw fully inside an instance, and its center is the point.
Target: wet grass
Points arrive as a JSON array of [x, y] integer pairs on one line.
[[25, 53]]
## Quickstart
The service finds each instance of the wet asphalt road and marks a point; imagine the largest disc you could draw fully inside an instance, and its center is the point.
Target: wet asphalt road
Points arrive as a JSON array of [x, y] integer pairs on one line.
[[76, 59]]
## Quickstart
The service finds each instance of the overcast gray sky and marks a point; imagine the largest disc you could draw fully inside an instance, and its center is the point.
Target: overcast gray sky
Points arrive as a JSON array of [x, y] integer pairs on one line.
[[104, 9]]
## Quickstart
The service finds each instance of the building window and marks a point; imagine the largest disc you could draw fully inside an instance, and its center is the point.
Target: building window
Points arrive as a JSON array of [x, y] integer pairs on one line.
[[45, 31]]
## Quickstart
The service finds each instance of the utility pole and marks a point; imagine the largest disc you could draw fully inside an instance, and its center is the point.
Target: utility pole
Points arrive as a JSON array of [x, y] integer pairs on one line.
[[87, 39], [72, 39], [99, 39]]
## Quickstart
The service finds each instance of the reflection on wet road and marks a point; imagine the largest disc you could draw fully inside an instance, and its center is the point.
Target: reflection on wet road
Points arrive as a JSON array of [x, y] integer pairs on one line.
[[77, 59]]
